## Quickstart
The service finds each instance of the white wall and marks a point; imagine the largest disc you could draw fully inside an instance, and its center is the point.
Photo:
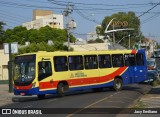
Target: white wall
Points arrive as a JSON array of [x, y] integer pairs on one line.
[[4, 58], [56, 19]]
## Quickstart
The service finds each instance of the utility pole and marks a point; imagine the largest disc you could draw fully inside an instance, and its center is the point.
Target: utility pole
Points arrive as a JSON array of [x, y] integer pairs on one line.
[[10, 70], [129, 41], [66, 14]]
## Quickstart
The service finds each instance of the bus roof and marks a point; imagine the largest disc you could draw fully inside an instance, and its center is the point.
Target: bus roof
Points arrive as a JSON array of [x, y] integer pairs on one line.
[[83, 52]]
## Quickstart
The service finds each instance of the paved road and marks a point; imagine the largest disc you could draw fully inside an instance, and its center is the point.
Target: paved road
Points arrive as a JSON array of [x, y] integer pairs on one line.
[[82, 100]]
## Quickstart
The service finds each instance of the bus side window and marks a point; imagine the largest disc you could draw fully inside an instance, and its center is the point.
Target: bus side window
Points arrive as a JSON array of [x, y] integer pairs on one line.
[[60, 63], [139, 58], [117, 60], [129, 59], [75, 63], [104, 61], [44, 70], [91, 62]]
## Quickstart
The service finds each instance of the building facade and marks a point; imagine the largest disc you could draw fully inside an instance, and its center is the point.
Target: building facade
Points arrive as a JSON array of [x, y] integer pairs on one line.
[[42, 18], [3, 65]]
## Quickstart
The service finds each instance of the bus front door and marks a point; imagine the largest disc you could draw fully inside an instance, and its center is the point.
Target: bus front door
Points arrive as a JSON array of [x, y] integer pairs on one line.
[[45, 75]]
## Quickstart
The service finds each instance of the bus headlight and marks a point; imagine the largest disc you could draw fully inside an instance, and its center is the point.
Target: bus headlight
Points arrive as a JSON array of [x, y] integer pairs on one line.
[[30, 77]]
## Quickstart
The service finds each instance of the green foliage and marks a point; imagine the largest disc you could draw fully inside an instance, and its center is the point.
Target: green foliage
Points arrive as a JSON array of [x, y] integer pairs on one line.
[[158, 46], [42, 46], [156, 82], [37, 38], [21, 35], [133, 22], [1, 31], [99, 41]]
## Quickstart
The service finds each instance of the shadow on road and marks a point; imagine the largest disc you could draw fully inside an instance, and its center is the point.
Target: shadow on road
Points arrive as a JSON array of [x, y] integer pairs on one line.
[[155, 90], [31, 98], [137, 88]]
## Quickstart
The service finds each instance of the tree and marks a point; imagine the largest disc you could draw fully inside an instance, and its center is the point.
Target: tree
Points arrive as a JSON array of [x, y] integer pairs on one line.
[[42, 46], [21, 35], [18, 34], [123, 20], [1, 31]]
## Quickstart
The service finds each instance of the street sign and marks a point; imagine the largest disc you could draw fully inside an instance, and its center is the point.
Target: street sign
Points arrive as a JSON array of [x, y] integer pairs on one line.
[[14, 48]]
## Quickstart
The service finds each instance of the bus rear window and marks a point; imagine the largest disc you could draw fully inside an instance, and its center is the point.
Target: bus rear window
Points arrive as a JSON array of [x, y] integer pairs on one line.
[[129, 59], [139, 58]]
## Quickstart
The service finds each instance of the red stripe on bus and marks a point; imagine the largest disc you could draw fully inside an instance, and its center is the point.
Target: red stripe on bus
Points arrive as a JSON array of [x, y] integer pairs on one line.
[[84, 81], [112, 75], [23, 87], [134, 51]]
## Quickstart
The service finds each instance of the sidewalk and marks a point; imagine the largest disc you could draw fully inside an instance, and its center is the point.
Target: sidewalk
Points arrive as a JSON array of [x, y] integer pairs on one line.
[[5, 96], [152, 98]]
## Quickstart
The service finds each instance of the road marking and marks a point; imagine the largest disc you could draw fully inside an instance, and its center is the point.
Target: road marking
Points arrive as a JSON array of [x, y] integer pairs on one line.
[[116, 101], [91, 105], [125, 98], [52, 100]]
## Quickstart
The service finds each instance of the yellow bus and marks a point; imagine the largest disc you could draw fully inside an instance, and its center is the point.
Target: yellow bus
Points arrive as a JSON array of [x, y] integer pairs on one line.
[[59, 72]]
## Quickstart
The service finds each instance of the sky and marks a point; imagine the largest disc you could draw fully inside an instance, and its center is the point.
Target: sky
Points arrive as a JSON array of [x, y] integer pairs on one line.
[[86, 13]]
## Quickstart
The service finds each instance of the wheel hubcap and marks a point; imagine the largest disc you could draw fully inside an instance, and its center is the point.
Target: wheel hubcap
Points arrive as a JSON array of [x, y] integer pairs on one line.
[[118, 85]]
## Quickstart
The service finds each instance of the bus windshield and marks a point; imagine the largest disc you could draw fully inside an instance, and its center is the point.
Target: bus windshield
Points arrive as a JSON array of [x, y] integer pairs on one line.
[[24, 70]]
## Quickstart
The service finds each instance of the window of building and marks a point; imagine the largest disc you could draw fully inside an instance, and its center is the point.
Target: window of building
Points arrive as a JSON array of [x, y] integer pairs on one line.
[[104, 61], [117, 60], [129, 59], [54, 18], [5, 66], [91, 62], [44, 70], [139, 58], [60, 63], [75, 63]]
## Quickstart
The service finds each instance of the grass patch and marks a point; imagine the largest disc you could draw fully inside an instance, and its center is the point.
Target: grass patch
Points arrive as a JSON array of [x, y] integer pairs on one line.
[[139, 104], [155, 83]]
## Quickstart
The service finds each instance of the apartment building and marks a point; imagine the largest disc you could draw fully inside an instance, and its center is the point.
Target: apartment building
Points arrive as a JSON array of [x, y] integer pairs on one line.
[[43, 18]]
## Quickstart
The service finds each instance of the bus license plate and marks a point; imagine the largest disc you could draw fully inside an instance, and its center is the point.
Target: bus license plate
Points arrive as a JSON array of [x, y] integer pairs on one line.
[[22, 94]]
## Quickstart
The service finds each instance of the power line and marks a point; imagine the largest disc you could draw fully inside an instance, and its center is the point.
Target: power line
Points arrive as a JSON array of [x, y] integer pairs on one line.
[[26, 5], [150, 18], [149, 9], [85, 17], [13, 17]]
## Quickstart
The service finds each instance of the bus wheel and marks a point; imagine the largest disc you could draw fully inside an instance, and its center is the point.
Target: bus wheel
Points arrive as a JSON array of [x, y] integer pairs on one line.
[[61, 89], [41, 96], [117, 84]]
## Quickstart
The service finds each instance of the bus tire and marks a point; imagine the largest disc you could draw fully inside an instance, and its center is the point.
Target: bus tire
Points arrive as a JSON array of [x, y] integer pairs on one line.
[[117, 84], [61, 89], [41, 96]]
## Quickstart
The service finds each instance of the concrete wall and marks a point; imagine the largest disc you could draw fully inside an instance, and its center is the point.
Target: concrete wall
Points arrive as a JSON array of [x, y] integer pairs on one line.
[[4, 58]]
